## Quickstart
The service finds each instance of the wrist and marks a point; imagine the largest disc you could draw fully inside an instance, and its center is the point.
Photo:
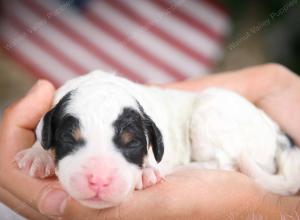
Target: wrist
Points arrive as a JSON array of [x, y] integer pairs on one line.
[[273, 206]]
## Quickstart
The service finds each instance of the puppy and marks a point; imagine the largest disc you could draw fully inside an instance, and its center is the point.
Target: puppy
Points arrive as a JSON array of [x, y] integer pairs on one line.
[[106, 136]]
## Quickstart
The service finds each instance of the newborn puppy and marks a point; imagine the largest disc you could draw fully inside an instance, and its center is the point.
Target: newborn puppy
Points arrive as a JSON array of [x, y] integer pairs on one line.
[[106, 136]]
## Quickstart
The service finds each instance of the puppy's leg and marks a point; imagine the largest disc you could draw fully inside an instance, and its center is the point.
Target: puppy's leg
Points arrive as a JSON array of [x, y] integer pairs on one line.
[[36, 161], [149, 177]]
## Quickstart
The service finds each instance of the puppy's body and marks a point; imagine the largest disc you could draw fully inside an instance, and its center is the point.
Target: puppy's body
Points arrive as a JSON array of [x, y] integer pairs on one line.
[[111, 124]]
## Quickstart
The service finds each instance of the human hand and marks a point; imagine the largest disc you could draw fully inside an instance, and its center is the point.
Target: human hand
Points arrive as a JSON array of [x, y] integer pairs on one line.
[[19, 191]]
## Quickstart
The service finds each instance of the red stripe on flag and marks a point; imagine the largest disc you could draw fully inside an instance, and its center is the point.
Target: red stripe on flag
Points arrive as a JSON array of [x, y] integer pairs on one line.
[[174, 42], [190, 20], [27, 64], [151, 58], [75, 36], [46, 46]]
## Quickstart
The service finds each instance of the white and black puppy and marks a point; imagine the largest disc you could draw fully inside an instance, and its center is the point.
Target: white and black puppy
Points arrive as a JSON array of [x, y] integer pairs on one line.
[[106, 136]]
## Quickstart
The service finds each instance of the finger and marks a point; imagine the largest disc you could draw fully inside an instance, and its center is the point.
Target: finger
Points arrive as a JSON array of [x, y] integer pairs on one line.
[[32, 191], [19, 207]]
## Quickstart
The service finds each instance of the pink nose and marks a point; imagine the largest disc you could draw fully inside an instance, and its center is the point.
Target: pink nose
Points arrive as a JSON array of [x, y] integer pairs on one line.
[[97, 183]]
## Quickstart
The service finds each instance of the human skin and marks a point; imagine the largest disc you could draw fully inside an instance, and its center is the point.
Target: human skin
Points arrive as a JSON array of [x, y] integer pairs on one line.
[[186, 194]]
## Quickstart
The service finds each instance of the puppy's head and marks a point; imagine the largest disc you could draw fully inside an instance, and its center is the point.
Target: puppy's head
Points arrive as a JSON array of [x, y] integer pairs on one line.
[[100, 139]]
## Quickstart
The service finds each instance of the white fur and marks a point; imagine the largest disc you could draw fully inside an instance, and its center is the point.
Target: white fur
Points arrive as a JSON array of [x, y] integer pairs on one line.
[[215, 129]]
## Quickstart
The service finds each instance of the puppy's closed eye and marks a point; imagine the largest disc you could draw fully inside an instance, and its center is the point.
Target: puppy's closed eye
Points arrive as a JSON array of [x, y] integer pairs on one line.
[[130, 137]]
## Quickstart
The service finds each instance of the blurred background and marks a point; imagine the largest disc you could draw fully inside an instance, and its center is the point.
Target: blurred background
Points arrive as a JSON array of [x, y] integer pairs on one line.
[[147, 41]]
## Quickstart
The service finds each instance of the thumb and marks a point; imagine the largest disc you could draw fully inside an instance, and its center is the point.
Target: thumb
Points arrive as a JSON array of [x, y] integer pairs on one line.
[[52, 201], [20, 118], [27, 112]]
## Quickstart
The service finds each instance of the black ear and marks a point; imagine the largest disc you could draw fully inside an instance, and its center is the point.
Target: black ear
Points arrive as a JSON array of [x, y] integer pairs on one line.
[[155, 138], [48, 130], [154, 135], [51, 121]]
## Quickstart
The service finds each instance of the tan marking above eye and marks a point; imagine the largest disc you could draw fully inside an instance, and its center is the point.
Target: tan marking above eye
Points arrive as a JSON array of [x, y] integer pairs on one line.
[[126, 137], [77, 135]]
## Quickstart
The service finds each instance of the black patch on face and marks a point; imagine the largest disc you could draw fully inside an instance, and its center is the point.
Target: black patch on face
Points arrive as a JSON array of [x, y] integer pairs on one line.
[[130, 137], [67, 137], [61, 131], [132, 128]]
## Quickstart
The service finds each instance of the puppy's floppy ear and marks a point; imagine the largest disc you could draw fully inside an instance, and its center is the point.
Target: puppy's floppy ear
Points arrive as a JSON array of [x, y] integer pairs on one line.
[[154, 135], [51, 121], [48, 130], [155, 139]]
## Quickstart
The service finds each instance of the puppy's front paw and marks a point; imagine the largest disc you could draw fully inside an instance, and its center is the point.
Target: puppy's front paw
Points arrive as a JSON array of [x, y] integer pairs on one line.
[[149, 177], [36, 162]]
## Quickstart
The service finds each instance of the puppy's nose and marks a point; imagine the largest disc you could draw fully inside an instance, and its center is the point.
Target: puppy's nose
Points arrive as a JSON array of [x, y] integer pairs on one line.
[[98, 183]]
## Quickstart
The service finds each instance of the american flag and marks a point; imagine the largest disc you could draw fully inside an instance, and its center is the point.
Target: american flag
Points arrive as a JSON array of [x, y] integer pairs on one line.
[[144, 40]]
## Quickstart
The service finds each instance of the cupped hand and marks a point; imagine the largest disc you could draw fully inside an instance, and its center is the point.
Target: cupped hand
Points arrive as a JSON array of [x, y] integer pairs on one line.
[[19, 191]]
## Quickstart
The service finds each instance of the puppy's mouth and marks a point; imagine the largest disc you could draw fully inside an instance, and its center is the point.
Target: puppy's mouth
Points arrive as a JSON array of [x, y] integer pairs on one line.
[[95, 198], [97, 202], [100, 198]]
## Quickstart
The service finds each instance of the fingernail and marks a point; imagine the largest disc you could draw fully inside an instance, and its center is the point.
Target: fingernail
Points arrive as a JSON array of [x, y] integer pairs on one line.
[[53, 202], [34, 87]]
